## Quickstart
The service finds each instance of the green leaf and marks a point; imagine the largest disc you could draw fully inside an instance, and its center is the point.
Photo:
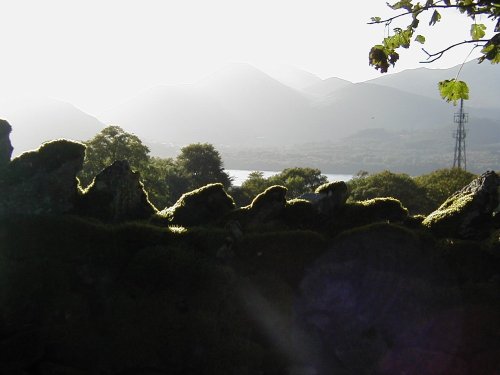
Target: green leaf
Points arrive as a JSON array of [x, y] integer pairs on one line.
[[477, 31], [436, 17], [491, 50], [401, 38], [376, 19], [420, 39], [403, 4], [453, 90]]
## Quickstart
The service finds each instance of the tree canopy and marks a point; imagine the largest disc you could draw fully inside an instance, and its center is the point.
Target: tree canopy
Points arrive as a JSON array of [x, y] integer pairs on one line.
[[388, 184], [297, 180], [165, 179], [111, 144], [442, 183], [421, 195], [202, 164], [383, 55]]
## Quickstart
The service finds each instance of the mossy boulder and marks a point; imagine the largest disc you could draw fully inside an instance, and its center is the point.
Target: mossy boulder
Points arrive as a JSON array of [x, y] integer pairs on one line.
[[201, 206], [328, 197], [5, 145], [42, 181], [116, 195], [356, 214], [265, 212], [300, 214], [271, 199], [470, 212]]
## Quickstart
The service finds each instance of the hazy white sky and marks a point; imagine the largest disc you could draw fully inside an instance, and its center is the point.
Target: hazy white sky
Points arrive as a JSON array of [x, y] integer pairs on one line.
[[95, 53]]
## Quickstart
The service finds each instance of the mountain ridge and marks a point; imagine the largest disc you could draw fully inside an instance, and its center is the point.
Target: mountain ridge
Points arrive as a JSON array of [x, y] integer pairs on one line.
[[241, 106]]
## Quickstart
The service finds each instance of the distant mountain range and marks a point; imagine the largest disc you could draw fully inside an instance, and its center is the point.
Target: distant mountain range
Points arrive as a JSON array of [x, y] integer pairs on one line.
[[241, 108]]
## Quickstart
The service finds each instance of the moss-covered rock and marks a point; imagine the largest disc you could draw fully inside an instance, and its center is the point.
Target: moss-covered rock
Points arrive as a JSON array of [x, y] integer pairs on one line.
[[116, 195], [328, 198], [300, 214], [356, 214], [266, 212], [201, 206], [469, 213], [42, 181], [5, 145], [271, 199]]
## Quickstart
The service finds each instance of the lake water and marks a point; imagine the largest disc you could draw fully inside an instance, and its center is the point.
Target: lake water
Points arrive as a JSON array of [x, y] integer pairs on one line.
[[240, 175]]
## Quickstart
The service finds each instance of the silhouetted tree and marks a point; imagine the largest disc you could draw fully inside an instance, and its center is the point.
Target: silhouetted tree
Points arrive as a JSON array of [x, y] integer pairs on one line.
[[395, 185], [201, 164], [164, 182], [111, 144], [299, 180]]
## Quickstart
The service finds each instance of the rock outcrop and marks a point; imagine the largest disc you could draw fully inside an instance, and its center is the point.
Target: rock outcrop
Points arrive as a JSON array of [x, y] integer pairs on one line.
[[116, 195], [470, 212], [270, 203], [5, 145], [328, 197], [201, 206], [42, 181]]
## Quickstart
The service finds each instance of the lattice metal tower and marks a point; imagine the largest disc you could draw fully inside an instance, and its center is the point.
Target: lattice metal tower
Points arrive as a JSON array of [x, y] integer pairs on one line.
[[460, 118]]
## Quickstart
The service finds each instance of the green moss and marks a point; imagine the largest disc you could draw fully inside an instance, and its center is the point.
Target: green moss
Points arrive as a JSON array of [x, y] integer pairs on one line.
[[48, 157], [201, 206], [356, 214], [273, 195], [446, 216], [415, 221], [331, 187]]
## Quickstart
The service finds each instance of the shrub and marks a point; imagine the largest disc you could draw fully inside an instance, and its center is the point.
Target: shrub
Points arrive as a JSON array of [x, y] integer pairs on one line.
[[395, 185]]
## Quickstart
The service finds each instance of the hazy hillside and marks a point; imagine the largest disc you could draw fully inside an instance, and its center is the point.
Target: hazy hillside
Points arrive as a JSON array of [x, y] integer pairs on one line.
[[293, 77], [235, 106], [175, 114], [327, 86], [365, 106], [240, 105], [483, 81], [252, 117], [45, 119]]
